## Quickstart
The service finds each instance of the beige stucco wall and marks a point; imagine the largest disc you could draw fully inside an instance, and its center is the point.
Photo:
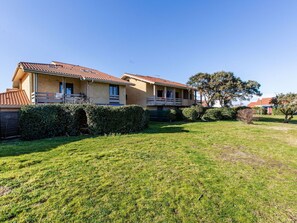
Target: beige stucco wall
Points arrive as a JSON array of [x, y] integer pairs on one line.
[[98, 93], [137, 94], [50, 83], [26, 84]]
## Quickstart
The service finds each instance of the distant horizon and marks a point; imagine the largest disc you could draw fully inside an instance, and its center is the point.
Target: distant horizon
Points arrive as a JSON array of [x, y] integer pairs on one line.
[[256, 40]]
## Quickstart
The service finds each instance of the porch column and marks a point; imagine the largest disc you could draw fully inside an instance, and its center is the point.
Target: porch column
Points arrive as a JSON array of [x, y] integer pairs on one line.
[[165, 94], [154, 93], [195, 95], [63, 88], [182, 96], [173, 92], [35, 88]]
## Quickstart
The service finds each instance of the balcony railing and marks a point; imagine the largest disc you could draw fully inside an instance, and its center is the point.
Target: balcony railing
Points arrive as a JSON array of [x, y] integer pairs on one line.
[[47, 97], [164, 101], [114, 99]]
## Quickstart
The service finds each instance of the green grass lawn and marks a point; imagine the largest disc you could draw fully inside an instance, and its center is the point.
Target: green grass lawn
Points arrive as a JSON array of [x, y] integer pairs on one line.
[[194, 172]]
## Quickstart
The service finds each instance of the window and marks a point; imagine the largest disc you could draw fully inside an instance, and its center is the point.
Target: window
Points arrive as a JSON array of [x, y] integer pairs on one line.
[[68, 90], [186, 94], [191, 96], [114, 90], [176, 94], [169, 94], [159, 93]]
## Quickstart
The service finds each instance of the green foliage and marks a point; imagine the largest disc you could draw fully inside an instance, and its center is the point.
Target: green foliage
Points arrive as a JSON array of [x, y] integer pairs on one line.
[[216, 114], [172, 115], [200, 110], [276, 111], [224, 87], [43, 121], [287, 104], [190, 114]]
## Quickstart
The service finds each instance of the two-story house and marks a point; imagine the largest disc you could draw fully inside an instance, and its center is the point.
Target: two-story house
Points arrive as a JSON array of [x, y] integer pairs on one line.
[[157, 93], [67, 83]]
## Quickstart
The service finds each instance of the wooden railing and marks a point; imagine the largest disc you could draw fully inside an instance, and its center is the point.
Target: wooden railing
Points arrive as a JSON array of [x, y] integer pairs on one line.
[[47, 97], [164, 101]]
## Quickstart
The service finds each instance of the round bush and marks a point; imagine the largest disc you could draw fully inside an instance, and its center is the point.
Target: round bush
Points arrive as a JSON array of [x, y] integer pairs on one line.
[[190, 114]]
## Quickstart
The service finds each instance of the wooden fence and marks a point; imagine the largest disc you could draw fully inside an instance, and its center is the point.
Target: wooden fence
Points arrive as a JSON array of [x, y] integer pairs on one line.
[[9, 124]]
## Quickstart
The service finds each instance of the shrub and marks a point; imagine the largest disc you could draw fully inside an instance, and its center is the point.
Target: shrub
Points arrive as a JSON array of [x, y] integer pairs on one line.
[[42, 121], [245, 115], [213, 114], [276, 111], [200, 110], [228, 114], [172, 115], [107, 119], [190, 114]]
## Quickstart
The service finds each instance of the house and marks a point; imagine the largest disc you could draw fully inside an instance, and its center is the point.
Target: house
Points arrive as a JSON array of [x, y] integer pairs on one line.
[[156, 93], [262, 103], [59, 82]]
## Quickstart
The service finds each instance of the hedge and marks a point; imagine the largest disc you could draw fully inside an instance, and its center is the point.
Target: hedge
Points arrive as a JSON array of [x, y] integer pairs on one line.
[[215, 114], [44, 121]]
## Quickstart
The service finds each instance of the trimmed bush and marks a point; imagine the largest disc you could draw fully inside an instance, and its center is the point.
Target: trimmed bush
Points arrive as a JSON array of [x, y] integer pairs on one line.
[[40, 121], [43, 121], [216, 114], [190, 114]]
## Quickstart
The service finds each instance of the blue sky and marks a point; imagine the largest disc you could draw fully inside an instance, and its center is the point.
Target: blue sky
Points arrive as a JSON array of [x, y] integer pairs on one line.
[[255, 39]]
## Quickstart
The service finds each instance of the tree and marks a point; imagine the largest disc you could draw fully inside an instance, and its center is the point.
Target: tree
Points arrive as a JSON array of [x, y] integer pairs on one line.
[[202, 82], [224, 87], [287, 104]]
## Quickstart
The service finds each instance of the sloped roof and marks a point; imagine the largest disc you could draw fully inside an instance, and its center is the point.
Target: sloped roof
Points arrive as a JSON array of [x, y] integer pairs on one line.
[[156, 80], [261, 102], [70, 70], [14, 98]]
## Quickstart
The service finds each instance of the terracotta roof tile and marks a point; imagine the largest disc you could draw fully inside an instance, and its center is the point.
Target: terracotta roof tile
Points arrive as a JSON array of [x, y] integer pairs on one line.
[[260, 102], [14, 98], [71, 70], [156, 80]]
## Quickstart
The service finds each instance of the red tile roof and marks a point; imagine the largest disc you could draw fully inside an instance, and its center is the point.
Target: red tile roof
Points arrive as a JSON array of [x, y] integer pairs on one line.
[[261, 102], [156, 80], [71, 70], [14, 98]]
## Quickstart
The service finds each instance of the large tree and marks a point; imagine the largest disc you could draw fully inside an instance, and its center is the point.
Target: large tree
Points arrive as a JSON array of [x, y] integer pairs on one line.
[[224, 87], [202, 81], [287, 104]]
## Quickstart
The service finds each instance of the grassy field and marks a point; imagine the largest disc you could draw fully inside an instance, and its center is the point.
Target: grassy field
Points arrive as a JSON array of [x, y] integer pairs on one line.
[[193, 172]]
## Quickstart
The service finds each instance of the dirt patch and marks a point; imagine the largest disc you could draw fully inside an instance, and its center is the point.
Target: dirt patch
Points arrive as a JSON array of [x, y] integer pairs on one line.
[[235, 155], [4, 190]]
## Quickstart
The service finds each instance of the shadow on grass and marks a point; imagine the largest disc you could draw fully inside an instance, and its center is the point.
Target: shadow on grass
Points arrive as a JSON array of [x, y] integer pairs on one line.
[[276, 119], [19, 147], [165, 127]]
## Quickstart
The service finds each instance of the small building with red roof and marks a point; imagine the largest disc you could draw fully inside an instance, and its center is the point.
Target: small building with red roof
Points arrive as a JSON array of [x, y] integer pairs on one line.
[[263, 103]]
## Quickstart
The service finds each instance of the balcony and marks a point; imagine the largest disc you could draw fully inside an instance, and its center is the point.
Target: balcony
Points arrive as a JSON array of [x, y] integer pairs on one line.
[[47, 97], [153, 101]]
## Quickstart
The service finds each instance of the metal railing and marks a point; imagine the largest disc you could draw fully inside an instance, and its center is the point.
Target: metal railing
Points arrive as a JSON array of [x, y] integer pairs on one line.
[[114, 99]]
